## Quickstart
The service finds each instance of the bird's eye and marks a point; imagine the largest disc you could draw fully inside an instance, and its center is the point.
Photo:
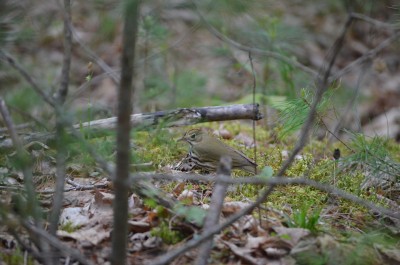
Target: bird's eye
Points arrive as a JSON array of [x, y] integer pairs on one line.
[[193, 136]]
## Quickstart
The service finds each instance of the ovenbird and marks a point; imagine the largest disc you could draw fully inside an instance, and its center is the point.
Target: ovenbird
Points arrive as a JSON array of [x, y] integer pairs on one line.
[[206, 152]]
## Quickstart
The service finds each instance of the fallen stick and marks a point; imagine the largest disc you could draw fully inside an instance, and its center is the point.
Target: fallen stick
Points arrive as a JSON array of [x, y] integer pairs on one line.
[[171, 118], [182, 117]]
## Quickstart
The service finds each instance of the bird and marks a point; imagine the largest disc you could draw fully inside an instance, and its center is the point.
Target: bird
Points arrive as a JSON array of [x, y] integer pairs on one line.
[[206, 152]]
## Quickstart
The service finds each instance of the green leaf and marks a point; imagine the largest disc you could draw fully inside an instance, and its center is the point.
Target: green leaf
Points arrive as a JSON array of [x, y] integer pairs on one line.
[[267, 172], [192, 214]]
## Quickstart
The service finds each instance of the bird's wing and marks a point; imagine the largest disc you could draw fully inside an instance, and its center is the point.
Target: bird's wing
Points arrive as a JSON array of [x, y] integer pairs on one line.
[[238, 158], [236, 155]]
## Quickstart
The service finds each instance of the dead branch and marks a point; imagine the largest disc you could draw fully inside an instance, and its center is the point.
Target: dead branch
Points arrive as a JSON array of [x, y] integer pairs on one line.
[[181, 117], [172, 118], [217, 200], [273, 181]]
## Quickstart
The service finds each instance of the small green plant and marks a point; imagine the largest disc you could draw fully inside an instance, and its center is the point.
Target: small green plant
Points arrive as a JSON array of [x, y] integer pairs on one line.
[[163, 230], [168, 236], [191, 213], [301, 106], [372, 153], [305, 218], [68, 227]]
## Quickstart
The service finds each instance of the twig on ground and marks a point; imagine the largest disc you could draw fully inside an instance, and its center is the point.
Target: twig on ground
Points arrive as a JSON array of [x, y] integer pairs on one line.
[[172, 118], [181, 117]]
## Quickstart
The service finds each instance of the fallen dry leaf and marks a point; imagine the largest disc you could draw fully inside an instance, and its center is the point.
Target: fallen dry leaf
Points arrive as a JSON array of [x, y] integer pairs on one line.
[[76, 216], [229, 208], [103, 198], [92, 235], [291, 235], [178, 189]]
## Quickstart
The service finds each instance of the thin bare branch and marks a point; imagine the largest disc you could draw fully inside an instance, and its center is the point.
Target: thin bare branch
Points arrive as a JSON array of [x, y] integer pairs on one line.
[[56, 243], [248, 49], [350, 105], [375, 22], [321, 121], [63, 91], [60, 127], [255, 112], [217, 201], [367, 56], [11, 61], [322, 86], [25, 162], [279, 180], [120, 205], [100, 62]]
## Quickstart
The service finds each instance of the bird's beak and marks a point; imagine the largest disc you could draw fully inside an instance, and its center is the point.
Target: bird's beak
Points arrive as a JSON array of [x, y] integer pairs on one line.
[[181, 139]]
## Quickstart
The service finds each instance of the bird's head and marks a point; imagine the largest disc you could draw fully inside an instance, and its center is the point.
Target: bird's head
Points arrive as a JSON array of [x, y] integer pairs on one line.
[[193, 136]]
